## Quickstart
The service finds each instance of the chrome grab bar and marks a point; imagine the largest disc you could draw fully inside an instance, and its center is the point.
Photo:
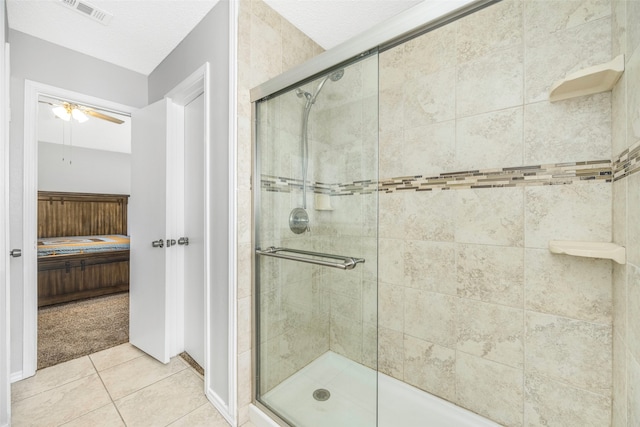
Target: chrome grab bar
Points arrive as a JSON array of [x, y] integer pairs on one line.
[[348, 263]]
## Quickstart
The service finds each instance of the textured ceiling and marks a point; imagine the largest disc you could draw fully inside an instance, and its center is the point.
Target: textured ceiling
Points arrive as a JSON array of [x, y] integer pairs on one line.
[[143, 32], [140, 35], [331, 22]]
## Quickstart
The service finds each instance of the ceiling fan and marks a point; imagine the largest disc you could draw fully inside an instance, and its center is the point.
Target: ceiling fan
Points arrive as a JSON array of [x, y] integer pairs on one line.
[[66, 110]]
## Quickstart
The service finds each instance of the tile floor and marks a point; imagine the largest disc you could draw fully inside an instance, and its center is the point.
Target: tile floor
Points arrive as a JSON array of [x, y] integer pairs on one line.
[[120, 386]]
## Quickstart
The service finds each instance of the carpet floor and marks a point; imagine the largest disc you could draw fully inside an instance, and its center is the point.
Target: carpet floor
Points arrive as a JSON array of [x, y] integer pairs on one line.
[[76, 329]]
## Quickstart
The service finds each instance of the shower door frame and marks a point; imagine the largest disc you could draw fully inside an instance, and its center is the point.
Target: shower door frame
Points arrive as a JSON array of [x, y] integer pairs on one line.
[[412, 23]]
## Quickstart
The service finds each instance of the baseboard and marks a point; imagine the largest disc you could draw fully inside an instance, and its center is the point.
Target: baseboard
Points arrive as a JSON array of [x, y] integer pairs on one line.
[[16, 376], [222, 407]]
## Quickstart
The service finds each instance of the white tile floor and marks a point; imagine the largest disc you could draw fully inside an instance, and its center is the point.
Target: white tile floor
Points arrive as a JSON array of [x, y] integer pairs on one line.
[[121, 386]]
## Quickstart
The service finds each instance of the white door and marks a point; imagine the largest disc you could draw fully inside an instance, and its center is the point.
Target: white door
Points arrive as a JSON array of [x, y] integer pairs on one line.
[[194, 203], [149, 227]]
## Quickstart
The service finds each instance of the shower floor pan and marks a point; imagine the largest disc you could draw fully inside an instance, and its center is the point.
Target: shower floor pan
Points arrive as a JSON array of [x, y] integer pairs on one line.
[[352, 401]]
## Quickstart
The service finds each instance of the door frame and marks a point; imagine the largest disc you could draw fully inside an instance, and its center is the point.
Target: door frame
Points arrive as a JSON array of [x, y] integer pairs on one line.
[[5, 342], [32, 91]]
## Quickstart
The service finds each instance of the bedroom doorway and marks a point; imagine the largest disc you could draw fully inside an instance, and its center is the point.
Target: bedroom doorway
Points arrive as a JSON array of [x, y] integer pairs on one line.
[[83, 245]]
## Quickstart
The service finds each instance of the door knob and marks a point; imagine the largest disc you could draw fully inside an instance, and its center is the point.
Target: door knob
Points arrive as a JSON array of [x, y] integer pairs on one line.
[[16, 253], [183, 241], [158, 243]]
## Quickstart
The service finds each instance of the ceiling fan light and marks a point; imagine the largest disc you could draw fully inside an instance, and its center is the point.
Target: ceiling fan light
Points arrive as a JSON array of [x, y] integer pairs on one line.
[[61, 113], [79, 115]]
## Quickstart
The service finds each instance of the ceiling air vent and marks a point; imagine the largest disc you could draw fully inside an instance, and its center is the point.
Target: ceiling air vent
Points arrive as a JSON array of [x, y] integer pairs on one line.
[[88, 10]]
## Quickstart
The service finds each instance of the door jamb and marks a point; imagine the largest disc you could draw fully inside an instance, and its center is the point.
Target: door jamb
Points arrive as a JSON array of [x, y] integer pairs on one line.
[[32, 91]]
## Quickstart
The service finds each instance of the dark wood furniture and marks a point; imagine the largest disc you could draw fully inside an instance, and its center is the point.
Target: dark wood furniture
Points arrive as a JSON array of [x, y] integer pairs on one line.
[[64, 278]]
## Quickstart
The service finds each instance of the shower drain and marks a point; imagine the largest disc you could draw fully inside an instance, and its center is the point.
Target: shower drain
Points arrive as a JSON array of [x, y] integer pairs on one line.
[[321, 394]]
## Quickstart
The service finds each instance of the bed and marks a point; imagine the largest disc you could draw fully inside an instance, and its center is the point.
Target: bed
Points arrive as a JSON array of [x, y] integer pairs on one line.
[[83, 247]]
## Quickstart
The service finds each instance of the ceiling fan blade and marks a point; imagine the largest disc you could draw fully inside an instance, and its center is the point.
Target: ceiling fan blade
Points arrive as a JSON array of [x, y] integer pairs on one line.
[[97, 115]]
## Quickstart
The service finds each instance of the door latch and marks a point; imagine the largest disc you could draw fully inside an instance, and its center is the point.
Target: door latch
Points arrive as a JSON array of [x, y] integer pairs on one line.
[[170, 242], [183, 241], [158, 243]]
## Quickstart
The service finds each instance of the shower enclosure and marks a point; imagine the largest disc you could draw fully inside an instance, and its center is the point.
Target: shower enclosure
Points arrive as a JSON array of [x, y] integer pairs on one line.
[[316, 248]]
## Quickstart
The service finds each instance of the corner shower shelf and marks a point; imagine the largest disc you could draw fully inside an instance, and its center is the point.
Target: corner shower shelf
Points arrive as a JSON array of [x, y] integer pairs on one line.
[[596, 79], [610, 251]]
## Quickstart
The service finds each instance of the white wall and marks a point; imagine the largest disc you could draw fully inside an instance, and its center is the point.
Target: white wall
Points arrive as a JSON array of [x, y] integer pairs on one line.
[[43, 62], [90, 171], [209, 42]]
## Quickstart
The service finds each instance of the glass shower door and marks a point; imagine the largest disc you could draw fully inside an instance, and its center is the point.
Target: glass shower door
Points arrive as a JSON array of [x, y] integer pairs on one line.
[[316, 249]]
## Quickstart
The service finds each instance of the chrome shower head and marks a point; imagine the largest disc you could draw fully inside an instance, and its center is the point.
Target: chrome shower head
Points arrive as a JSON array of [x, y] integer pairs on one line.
[[337, 75]]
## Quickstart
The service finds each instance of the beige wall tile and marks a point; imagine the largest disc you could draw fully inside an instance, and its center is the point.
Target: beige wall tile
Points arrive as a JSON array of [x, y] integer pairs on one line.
[[567, 212], [423, 218], [581, 46], [391, 155], [491, 140], [544, 17], [244, 324], [579, 288], [429, 99], [346, 338], [392, 215], [619, 279], [619, 390], [633, 32], [618, 418], [490, 217], [490, 389], [478, 82], [491, 331], [430, 266], [431, 52], [572, 130], [430, 316], [489, 30], [549, 402], [391, 352], [619, 217], [391, 306], [392, 107], [619, 117], [633, 396], [633, 219], [491, 274], [430, 367], [391, 261], [571, 351], [633, 310], [266, 50], [619, 27], [392, 67], [436, 141], [632, 77]]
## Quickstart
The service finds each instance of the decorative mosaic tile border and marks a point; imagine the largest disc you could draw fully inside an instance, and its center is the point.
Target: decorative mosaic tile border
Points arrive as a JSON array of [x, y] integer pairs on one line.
[[554, 174], [627, 163]]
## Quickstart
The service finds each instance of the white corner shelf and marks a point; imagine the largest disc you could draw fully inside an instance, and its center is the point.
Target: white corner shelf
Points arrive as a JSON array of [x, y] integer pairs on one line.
[[596, 79], [610, 251]]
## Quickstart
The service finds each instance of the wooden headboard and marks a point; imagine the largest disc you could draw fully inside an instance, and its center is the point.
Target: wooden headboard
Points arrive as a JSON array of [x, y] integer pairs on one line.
[[81, 214]]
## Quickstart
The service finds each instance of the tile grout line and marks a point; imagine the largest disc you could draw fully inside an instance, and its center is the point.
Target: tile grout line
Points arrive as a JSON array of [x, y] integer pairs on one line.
[[108, 392], [52, 388]]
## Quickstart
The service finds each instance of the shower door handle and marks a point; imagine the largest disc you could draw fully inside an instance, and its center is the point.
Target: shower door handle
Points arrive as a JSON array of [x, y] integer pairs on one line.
[[348, 263]]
